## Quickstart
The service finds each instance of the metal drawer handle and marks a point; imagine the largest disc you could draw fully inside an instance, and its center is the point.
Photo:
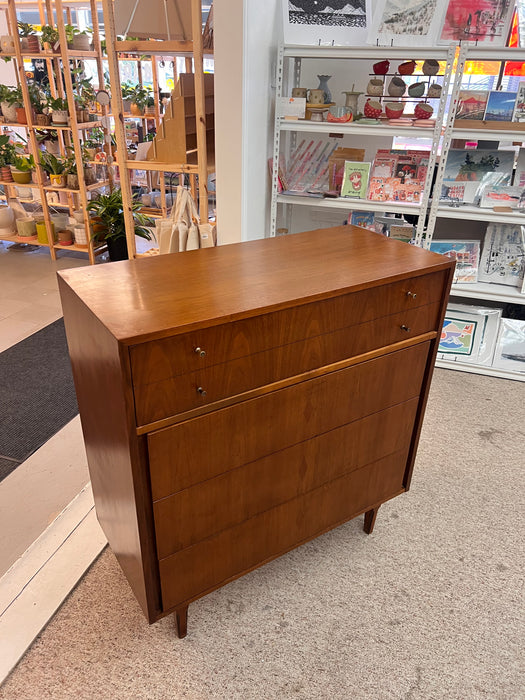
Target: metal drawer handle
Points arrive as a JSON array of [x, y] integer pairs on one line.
[[200, 352], [405, 328], [201, 391], [412, 294]]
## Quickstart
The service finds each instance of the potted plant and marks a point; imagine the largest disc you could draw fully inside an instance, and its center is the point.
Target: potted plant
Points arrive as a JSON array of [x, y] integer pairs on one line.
[[93, 143], [71, 173], [127, 94], [150, 106], [7, 157], [54, 167], [59, 110], [22, 168], [82, 40], [7, 43], [139, 100], [10, 101], [29, 41], [36, 100], [48, 140], [49, 36], [109, 211]]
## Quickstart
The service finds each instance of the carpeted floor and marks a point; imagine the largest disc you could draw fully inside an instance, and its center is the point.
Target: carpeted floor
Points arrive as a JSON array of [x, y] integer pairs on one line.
[[37, 399], [429, 607]]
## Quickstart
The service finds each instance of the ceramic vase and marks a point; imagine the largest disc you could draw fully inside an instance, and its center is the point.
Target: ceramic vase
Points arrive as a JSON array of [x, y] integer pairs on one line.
[[351, 99], [323, 85]]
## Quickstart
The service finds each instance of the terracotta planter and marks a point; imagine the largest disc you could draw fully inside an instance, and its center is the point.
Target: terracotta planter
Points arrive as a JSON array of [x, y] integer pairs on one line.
[[57, 180], [136, 110], [33, 44], [150, 111], [21, 177], [394, 110], [65, 237], [423, 111], [5, 173], [21, 115]]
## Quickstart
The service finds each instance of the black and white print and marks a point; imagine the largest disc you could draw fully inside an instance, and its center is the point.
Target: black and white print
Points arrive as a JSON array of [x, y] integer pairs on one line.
[[330, 13]]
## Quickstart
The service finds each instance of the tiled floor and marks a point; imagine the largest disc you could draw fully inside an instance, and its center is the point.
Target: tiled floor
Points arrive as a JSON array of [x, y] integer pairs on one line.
[[33, 495]]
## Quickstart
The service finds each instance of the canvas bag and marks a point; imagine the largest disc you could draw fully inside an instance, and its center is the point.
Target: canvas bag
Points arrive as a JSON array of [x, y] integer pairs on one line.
[[181, 230]]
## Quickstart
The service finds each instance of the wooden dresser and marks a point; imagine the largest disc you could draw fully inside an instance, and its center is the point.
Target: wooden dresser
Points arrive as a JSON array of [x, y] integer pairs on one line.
[[238, 401]]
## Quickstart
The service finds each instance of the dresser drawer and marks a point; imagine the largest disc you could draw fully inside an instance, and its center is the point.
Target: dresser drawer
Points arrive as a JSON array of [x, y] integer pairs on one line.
[[217, 504], [184, 392], [203, 447], [210, 563], [161, 359]]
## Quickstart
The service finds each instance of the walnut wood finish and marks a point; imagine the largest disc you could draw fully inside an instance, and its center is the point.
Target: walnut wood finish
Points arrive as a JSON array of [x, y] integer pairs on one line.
[[314, 398]]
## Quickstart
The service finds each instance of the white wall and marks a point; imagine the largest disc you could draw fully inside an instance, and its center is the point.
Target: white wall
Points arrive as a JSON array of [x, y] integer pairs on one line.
[[7, 70], [246, 35]]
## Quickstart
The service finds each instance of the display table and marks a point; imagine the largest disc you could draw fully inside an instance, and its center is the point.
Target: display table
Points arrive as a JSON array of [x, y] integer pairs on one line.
[[239, 401]]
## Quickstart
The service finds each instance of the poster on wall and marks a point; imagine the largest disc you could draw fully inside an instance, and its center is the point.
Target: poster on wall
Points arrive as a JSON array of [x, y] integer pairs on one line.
[[326, 22], [481, 21], [405, 22]]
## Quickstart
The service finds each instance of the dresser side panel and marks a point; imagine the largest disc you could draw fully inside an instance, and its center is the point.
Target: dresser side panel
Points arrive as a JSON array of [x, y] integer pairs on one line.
[[116, 457]]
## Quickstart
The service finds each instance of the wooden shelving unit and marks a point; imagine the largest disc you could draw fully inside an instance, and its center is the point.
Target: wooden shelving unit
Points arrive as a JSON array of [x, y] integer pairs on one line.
[[152, 48], [70, 136]]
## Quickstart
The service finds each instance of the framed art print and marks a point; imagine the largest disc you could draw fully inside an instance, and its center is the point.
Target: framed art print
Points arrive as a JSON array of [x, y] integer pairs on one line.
[[471, 104], [481, 21], [405, 22], [503, 256], [500, 106], [459, 344]]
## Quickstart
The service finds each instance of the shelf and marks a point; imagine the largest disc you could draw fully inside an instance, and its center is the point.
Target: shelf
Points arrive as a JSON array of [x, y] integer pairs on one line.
[[355, 128], [29, 185], [160, 167], [490, 292], [472, 130], [71, 53], [53, 127], [23, 239], [158, 48], [478, 214], [371, 53], [348, 204], [94, 186], [481, 369]]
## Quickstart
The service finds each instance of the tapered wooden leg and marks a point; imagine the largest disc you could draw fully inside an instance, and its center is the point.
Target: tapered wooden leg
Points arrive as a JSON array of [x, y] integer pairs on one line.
[[181, 621], [370, 520]]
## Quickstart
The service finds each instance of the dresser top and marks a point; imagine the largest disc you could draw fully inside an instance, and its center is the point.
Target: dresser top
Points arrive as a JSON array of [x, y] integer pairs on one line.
[[154, 297]]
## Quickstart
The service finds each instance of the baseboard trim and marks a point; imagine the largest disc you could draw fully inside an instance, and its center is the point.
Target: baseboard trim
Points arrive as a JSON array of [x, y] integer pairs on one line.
[[33, 589]]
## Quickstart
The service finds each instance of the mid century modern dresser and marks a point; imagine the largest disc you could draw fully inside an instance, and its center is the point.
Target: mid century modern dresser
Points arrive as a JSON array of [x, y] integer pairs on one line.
[[239, 401]]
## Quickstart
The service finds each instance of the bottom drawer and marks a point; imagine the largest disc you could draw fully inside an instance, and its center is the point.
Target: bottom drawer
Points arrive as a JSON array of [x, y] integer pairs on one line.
[[211, 563]]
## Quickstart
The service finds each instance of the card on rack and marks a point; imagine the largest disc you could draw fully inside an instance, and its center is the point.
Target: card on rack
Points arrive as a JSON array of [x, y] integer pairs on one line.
[[355, 180], [519, 108], [512, 197], [466, 255], [468, 171], [519, 173], [503, 256], [500, 106], [471, 104], [365, 219]]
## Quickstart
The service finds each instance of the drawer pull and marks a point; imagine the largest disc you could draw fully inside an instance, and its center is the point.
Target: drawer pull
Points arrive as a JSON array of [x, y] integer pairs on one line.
[[200, 352], [201, 391], [405, 328], [411, 294]]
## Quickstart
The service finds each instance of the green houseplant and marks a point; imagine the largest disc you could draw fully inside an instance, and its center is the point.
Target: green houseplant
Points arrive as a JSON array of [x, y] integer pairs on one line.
[[59, 110], [7, 157], [110, 226], [22, 169], [10, 101], [29, 41], [49, 36], [139, 100], [54, 167]]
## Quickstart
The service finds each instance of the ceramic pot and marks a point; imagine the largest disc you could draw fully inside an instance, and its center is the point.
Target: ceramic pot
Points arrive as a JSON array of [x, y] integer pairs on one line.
[[351, 99], [416, 90], [136, 110], [79, 232], [26, 228], [90, 176], [9, 111], [21, 177], [372, 109], [52, 147], [7, 221], [396, 87], [59, 116], [7, 43], [32, 44], [21, 115], [57, 180], [299, 92], [81, 42], [406, 68], [316, 97], [43, 119], [381, 67], [5, 173], [72, 181], [434, 90], [340, 114], [41, 231], [394, 110], [430, 67], [65, 237], [423, 111], [375, 87]]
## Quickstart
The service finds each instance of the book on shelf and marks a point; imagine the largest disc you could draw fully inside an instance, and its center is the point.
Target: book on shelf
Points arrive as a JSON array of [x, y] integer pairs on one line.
[[365, 219], [503, 256], [465, 253], [398, 176], [519, 108], [355, 179], [336, 165], [500, 106], [469, 170], [471, 104]]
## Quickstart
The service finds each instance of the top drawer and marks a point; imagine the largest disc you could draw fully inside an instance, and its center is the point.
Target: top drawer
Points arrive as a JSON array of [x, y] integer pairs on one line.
[[170, 357]]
